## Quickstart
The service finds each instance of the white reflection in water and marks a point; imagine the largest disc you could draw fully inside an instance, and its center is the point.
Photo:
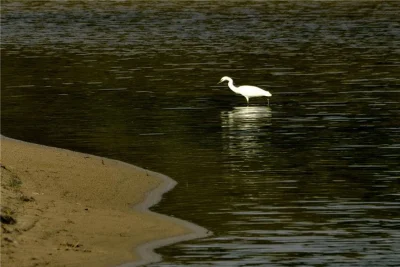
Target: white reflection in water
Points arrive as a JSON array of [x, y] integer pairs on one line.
[[244, 130]]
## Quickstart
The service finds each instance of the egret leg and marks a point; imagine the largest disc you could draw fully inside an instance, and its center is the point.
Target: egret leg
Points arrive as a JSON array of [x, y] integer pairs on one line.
[[247, 101], [268, 101]]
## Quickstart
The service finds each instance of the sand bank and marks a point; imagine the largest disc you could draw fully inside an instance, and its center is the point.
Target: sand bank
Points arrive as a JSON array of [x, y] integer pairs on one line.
[[63, 208]]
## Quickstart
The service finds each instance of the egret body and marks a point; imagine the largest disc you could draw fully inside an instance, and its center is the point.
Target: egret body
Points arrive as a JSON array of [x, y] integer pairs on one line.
[[247, 91]]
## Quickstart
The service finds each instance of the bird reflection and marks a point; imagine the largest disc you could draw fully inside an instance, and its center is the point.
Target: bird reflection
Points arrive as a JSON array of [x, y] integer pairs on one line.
[[247, 117], [245, 131]]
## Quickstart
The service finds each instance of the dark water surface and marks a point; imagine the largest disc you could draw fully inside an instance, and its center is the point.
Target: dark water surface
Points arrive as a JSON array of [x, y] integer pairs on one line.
[[314, 180]]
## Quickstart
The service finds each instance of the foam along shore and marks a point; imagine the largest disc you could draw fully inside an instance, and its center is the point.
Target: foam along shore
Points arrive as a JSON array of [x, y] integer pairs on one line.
[[64, 208]]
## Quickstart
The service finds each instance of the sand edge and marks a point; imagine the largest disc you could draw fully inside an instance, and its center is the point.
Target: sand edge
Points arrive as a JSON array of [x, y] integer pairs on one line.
[[145, 251]]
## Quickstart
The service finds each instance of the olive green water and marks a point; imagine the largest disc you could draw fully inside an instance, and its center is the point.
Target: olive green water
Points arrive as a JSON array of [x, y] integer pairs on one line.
[[313, 180]]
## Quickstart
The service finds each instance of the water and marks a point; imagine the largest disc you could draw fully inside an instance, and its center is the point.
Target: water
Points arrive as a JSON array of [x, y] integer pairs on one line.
[[314, 180]]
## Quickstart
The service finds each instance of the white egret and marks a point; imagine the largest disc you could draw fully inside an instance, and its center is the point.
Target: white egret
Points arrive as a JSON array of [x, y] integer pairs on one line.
[[247, 91]]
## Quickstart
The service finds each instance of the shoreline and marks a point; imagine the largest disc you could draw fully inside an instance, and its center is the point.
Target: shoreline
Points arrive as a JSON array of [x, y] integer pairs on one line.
[[76, 209], [147, 249]]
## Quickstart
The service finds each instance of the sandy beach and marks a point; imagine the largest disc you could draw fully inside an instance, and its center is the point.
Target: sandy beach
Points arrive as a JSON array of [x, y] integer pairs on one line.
[[63, 208]]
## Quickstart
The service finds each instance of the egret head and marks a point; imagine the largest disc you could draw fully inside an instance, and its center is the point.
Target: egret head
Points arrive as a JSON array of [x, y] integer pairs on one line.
[[225, 78]]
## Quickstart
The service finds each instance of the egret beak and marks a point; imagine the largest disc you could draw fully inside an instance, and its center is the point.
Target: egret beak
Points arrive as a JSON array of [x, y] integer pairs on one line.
[[220, 81]]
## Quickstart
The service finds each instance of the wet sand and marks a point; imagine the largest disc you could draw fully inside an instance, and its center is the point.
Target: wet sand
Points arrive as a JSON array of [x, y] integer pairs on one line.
[[63, 208]]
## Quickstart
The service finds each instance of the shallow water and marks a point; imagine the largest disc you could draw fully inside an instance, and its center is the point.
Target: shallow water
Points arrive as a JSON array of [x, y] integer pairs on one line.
[[313, 180]]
